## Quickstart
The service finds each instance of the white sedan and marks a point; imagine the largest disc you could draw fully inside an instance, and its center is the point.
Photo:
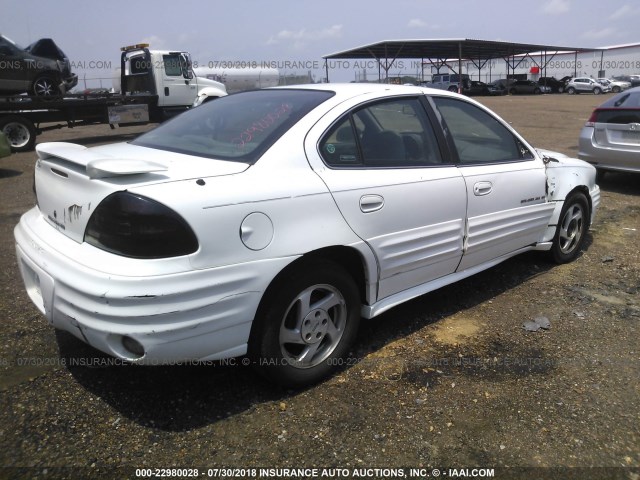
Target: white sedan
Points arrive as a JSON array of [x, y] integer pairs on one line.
[[267, 223]]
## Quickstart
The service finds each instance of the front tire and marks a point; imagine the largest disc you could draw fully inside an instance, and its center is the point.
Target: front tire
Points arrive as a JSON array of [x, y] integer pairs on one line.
[[616, 89], [45, 86], [572, 229], [597, 91], [307, 325], [571, 90]]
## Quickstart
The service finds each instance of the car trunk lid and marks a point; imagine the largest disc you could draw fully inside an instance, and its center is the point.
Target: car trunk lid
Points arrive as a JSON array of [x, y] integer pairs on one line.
[[71, 180]]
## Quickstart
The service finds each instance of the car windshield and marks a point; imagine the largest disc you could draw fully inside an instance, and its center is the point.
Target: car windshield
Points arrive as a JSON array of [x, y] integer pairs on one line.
[[239, 127]]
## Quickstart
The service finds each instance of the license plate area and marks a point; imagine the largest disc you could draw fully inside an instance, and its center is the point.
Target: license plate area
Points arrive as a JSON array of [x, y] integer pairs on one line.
[[631, 136], [623, 137]]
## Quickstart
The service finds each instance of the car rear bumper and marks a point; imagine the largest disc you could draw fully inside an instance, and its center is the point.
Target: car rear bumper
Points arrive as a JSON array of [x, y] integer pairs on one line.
[[188, 316], [607, 158]]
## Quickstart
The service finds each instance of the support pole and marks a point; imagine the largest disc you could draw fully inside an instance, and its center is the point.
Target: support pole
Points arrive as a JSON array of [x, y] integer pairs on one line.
[[460, 67]]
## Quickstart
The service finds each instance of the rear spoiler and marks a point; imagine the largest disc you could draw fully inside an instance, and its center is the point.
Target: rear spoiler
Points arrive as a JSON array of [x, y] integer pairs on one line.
[[96, 165]]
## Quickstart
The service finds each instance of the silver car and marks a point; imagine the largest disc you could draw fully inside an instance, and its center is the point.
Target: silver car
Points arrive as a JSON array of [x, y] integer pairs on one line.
[[616, 86], [586, 85], [610, 140]]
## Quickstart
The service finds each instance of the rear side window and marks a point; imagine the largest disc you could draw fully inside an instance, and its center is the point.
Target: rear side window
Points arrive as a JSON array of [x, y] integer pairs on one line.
[[393, 133], [139, 65], [238, 127], [477, 135]]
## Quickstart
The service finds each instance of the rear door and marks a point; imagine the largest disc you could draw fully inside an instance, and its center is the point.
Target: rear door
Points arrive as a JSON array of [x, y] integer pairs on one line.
[[15, 67], [505, 183], [383, 165], [583, 84]]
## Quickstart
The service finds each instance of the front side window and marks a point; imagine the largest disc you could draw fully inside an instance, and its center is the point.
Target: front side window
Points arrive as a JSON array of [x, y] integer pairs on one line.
[[172, 65], [477, 135], [239, 127], [393, 133]]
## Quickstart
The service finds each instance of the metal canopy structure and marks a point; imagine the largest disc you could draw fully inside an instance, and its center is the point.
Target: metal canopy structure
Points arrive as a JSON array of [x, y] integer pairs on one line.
[[444, 52]]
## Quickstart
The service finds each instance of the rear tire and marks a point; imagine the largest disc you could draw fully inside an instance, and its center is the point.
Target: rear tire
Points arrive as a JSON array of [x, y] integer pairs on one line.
[[20, 132], [307, 325], [572, 229]]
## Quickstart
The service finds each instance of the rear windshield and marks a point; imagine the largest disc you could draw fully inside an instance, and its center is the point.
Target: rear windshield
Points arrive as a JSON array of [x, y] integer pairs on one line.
[[624, 108], [238, 127]]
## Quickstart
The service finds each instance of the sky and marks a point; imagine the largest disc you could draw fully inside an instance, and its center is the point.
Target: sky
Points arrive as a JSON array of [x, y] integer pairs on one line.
[[293, 35]]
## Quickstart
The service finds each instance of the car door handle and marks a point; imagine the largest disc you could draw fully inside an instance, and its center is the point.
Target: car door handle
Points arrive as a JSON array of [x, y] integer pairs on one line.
[[371, 203], [482, 188]]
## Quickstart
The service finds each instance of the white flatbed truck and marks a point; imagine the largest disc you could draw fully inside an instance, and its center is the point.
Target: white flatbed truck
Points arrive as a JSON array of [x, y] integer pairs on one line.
[[154, 86]]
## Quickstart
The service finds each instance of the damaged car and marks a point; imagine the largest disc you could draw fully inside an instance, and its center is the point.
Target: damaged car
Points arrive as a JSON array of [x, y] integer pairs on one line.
[[41, 69], [269, 222]]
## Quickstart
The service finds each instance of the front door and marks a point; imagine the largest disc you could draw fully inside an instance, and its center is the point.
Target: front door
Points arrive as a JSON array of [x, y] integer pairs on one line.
[[179, 87], [505, 184]]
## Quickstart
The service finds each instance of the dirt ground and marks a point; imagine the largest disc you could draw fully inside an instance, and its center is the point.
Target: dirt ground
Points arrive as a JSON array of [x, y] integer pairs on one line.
[[450, 380]]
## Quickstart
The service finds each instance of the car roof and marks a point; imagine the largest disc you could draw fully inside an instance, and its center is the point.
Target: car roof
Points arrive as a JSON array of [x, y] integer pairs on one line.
[[348, 90], [611, 103]]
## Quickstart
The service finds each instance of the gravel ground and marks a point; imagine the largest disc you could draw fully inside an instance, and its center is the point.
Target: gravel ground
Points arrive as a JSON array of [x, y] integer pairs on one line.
[[450, 380]]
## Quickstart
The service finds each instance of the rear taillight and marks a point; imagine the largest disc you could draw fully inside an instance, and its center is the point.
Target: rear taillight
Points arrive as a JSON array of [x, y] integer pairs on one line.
[[135, 226], [592, 119]]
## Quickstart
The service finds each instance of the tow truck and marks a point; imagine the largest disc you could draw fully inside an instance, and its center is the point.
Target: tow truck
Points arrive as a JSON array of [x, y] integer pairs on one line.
[[154, 86]]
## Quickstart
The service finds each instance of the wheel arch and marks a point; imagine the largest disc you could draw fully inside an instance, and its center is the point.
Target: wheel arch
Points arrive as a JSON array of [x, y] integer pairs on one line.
[[337, 263], [53, 75], [350, 258], [50, 73], [567, 246], [561, 199], [585, 191]]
